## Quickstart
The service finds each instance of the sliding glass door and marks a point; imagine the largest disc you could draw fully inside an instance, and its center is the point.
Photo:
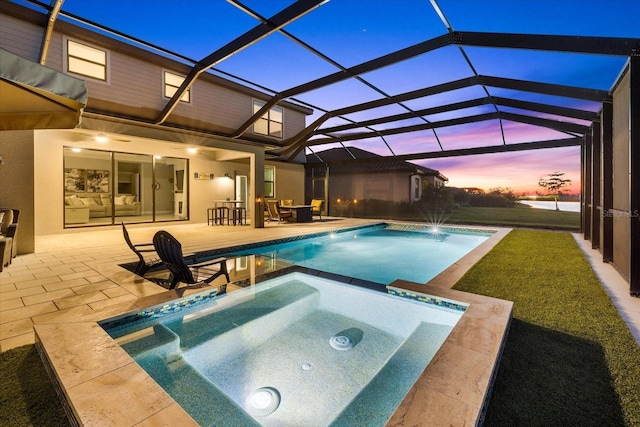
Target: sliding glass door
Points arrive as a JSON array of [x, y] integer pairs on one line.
[[104, 188]]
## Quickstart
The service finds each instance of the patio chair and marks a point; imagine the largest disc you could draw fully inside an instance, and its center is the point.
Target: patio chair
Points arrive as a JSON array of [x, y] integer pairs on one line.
[[9, 228], [316, 207], [276, 214], [170, 252], [144, 265]]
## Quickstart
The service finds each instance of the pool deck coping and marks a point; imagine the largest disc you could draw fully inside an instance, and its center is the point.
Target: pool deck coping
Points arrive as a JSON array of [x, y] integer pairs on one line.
[[103, 385]]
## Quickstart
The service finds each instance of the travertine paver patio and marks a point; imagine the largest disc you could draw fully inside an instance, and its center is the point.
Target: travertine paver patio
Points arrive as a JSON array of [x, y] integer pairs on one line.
[[72, 275]]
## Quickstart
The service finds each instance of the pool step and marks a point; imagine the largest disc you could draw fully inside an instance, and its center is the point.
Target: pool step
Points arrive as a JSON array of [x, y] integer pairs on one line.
[[159, 340], [387, 389], [244, 326], [196, 331], [196, 394]]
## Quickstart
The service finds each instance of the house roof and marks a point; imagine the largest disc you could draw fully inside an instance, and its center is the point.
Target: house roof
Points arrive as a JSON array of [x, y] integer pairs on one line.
[[334, 157]]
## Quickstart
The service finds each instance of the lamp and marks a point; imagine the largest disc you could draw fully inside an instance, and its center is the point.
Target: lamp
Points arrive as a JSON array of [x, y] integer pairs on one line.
[[227, 175]]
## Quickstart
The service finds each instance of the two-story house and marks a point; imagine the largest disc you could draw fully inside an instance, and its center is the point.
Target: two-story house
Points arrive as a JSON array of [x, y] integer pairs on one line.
[[91, 136]]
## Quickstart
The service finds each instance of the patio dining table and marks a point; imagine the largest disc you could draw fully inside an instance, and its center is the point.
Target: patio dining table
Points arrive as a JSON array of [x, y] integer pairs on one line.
[[223, 202]]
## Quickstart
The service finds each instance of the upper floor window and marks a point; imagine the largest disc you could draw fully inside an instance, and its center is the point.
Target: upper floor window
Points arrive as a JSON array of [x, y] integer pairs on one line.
[[86, 60], [270, 123], [172, 83]]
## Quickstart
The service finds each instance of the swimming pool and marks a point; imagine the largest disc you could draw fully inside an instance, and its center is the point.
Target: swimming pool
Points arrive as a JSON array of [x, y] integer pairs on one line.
[[380, 253], [294, 350]]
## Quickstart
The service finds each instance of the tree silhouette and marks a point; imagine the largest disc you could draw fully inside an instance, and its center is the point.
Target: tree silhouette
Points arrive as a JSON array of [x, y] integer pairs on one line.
[[554, 182]]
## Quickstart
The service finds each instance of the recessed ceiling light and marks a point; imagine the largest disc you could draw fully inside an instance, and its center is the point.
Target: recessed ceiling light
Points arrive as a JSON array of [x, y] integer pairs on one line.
[[192, 150], [76, 150], [102, 138], [157, 156]]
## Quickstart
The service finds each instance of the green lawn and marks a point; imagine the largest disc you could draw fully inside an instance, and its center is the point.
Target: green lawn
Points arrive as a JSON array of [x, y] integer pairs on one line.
[[27, 397], [520, 216], [569, 358]]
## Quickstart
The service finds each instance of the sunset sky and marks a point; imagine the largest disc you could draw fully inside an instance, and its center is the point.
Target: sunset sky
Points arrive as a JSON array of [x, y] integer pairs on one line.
[[351, 32]]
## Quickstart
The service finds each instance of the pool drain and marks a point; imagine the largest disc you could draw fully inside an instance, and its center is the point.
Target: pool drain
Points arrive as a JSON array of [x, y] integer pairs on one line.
[[262, 402], [341, 342]]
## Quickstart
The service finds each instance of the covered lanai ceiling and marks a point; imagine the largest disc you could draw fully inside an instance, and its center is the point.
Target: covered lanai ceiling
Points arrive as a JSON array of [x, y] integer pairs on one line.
[[406, 79]]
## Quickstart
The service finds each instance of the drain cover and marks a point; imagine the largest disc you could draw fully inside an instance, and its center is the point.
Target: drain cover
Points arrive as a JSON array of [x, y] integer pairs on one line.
[[341, 342]]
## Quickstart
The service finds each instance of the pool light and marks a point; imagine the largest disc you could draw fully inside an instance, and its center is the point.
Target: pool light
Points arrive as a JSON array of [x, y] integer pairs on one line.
[[262, 402]]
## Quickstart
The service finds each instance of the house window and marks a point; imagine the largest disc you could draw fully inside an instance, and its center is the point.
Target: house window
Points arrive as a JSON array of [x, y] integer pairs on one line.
[[269, 182], [270, 123], [172, 83], [86, 60]]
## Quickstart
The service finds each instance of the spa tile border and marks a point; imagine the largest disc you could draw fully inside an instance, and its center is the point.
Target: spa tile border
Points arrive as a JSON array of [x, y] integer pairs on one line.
[[427, 299]]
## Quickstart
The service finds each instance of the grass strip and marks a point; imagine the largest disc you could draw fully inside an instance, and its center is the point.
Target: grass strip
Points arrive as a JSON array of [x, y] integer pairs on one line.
[[27, 397], [569, 358], [519, 216]]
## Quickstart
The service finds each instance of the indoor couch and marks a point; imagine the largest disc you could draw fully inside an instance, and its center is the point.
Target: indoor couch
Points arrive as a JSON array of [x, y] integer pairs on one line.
[[99, 204]]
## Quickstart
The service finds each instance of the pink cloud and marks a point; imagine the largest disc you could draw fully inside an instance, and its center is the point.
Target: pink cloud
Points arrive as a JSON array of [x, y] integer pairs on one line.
[[519, 171]]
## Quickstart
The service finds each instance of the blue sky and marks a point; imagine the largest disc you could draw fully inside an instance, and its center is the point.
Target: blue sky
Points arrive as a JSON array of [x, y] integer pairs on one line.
[[354, 31]]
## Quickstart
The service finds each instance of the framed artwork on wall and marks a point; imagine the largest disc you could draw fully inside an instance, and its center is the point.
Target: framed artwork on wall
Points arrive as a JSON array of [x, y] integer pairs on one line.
[[74, 180], [97, 181]]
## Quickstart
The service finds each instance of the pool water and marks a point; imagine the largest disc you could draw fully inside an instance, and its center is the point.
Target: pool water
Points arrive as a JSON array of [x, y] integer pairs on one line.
[[316, 351], [378, 254]]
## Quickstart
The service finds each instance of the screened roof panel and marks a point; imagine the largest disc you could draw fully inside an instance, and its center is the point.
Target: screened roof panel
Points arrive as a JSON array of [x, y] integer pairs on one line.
[[446, 98], [616, 18], [351, 32], [515, 132], [373, 113], [373, 145], [339, 95], [414, 142], [465, 112], [399, 123], [545, 115], [470, 135], [429, 69], [591, 71], [256, 63]]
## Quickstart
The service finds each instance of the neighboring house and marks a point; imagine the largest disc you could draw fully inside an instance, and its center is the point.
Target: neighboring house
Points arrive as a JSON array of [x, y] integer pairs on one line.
[[333, 173], [473, 190], [111, 151]]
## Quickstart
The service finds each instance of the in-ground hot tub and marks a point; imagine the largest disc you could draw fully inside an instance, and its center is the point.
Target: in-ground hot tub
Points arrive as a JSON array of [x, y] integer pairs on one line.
[[295, 350]]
